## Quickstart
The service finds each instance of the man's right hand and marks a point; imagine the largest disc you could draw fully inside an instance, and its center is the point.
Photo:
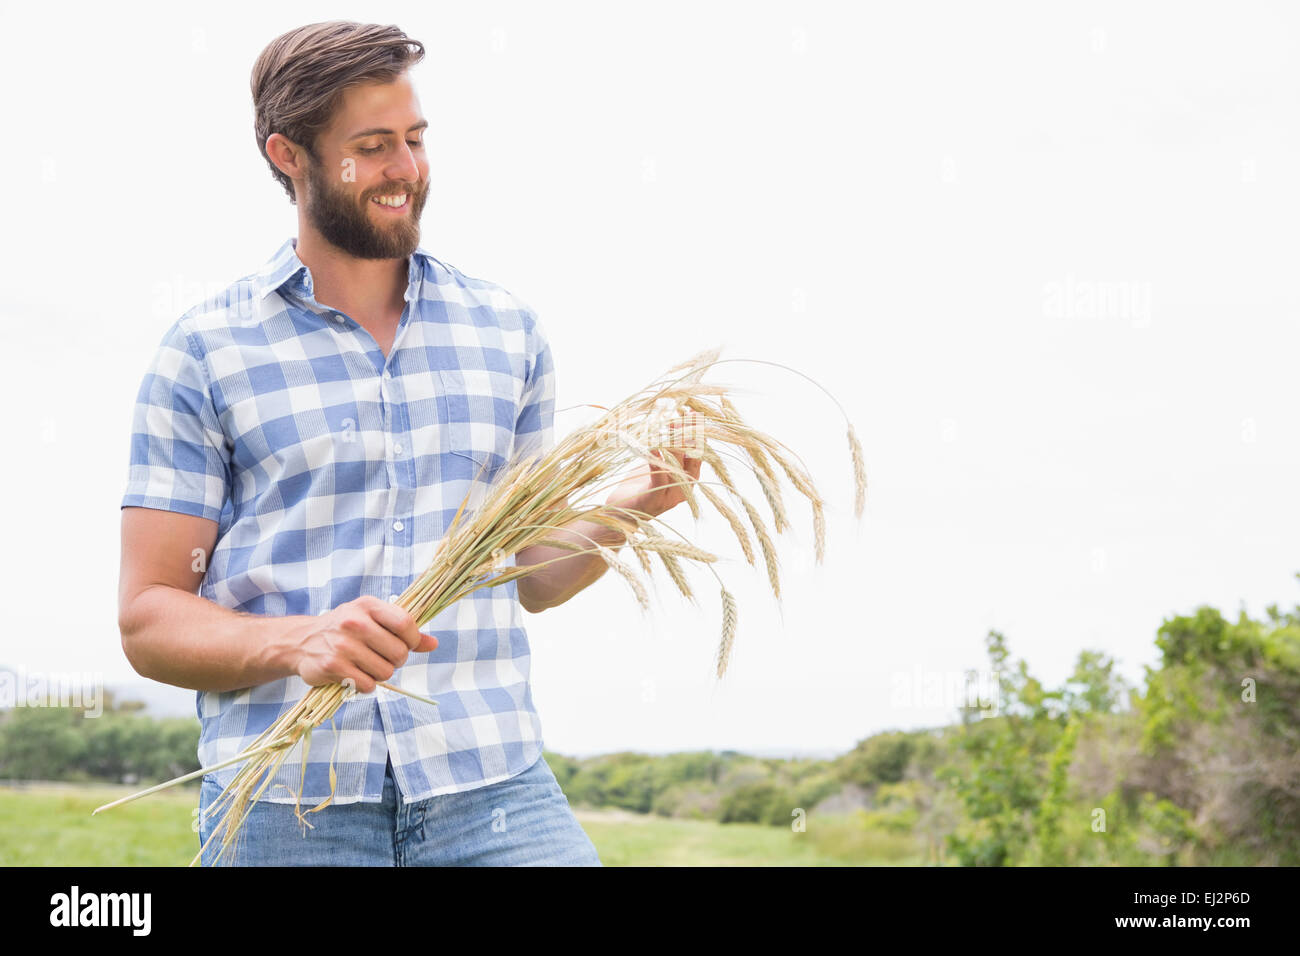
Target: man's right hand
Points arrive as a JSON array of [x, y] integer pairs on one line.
[[364, 640]]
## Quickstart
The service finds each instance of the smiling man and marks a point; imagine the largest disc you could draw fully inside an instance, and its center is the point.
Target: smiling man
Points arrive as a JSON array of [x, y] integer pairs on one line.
[[300, 444]]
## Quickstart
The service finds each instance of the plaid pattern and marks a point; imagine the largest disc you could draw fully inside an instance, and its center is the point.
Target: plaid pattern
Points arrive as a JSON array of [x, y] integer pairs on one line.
[[333, 472]]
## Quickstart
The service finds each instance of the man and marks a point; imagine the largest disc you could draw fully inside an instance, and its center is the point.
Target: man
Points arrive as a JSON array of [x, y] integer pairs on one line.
[[301, 443]]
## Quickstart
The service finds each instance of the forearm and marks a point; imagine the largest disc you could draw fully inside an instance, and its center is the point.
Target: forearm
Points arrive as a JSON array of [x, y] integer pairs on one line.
[[186, 640], [557, 582]]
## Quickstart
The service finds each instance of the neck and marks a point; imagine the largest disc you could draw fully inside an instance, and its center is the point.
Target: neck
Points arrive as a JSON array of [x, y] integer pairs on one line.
[[356, 286]]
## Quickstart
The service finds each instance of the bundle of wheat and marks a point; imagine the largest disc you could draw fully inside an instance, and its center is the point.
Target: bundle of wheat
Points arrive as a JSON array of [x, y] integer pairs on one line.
[[530, 499]]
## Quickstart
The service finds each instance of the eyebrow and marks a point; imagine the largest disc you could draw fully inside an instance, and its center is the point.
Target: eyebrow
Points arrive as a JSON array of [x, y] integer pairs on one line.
[[377, 131]]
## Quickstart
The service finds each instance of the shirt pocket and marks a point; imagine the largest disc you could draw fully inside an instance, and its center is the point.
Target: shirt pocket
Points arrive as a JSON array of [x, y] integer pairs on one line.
[[477, 413]]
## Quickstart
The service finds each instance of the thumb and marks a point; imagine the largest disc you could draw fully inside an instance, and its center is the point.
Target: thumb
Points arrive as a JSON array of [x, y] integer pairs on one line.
[[427, 643]]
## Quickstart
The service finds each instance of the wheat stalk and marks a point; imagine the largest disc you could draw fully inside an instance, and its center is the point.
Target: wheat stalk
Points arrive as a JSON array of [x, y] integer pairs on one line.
[[764, 542], [715, 462], [859, 473], [526, 503], [678, 575], [819, 529], [643, 556], [771, 492], [729, 617], [732, 519]]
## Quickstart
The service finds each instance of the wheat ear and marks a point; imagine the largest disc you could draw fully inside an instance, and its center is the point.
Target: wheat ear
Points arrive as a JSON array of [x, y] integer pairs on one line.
[[729, 615]]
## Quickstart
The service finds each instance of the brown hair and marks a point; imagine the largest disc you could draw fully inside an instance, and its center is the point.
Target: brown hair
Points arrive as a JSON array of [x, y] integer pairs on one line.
[[299, 79]]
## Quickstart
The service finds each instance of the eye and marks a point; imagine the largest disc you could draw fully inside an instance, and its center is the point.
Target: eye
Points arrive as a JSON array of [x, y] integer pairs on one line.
[[419, 144]]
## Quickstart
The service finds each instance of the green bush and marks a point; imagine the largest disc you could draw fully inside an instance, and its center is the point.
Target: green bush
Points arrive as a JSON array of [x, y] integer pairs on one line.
[[59, 743]]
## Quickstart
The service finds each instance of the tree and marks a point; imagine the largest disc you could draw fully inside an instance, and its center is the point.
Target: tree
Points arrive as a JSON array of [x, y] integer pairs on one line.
[[1095, 687], [1001, 773]]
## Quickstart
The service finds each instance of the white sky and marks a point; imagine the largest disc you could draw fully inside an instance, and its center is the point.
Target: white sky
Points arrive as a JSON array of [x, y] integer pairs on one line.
[[1045, 259]]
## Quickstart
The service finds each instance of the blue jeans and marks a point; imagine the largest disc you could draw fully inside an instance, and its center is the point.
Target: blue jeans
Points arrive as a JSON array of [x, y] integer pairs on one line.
[[523, 821]]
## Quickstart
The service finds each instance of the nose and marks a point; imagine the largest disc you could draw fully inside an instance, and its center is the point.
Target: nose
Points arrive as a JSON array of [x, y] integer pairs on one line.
[[404, 167]]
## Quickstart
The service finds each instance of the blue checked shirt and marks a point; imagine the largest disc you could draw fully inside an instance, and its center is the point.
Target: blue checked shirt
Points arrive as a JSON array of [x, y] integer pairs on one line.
[[333, 472]]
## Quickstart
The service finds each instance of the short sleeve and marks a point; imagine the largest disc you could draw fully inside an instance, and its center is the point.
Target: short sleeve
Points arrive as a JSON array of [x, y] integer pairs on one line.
[[178, 457], [535, 427]]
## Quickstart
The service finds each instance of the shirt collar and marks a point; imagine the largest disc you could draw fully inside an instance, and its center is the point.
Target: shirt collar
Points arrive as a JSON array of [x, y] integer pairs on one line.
[[285, 268]]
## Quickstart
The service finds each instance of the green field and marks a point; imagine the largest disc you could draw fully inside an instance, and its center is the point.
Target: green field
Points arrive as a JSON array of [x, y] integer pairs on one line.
[[52, 826]]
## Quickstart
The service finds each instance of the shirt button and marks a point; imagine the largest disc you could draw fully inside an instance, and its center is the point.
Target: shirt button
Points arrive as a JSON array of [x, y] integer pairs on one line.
[[387, 374], [398, 526], [339, 319], [392, 598], [397, 448]]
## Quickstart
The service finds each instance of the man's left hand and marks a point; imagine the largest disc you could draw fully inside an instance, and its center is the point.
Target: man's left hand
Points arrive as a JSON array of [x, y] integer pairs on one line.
[[654, 489]]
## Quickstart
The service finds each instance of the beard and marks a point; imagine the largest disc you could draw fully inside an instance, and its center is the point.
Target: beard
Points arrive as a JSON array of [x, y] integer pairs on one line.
[[346, 222]]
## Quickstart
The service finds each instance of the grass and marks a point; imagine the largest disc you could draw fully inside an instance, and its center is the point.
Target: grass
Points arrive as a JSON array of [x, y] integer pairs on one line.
[[634, 840], [52, 826]]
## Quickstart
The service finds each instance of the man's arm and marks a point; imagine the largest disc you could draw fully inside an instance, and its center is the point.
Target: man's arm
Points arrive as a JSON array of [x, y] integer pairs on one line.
[[171, 634], [573, 572], [651, 491]]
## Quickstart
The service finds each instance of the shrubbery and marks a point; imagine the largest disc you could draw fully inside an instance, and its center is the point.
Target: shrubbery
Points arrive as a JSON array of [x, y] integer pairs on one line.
[[121, 745], [1197, 767]]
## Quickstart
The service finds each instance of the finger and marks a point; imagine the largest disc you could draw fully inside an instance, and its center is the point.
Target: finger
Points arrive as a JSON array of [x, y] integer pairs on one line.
[[359, 679], [687, 428], [663, 451], [671, 476], [683, 435], [388, 646], [372, 665], [362, 681], [693, 443], [397, 621], [696, 440], [379, 640]]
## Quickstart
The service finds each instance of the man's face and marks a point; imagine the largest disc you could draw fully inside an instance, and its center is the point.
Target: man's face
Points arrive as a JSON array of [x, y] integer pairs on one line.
[[373, 147]]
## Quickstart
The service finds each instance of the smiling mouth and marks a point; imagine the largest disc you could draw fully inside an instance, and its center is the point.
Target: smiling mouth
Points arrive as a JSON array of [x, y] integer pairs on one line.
[[396, 203]]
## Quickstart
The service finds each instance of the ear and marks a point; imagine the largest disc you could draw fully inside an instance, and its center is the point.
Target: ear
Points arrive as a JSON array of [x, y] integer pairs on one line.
[[288, 157]]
